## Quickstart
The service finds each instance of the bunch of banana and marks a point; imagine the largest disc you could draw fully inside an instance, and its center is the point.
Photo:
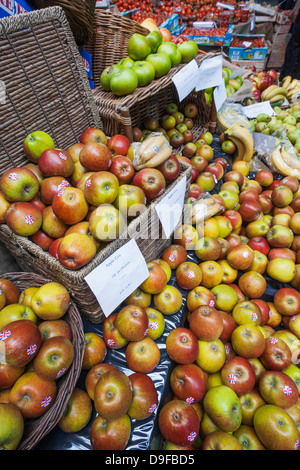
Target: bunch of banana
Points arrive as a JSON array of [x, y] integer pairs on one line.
[[225, 119], [285, 163], [243, 140], [275, 94], [153, 151], [292, 86]]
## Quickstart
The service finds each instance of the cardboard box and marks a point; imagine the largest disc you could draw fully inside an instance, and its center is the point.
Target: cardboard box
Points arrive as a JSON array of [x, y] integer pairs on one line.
[[213, 40], [248, 52], [172, 23], [12, 7]]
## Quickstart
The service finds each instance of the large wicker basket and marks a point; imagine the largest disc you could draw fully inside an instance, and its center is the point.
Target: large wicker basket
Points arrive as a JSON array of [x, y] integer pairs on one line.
[[36, 429], [80, 14], [109, 42], [47, 89]]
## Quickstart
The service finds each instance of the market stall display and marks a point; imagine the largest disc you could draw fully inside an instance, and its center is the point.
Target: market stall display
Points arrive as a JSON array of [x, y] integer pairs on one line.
[[155, 223]]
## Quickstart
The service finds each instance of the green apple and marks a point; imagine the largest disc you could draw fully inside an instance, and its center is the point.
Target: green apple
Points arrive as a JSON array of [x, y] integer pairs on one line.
[[126, 62], [145, 72], [223, 406], [226, 74], [107, 74], [161, 62], [155, 39], [234, 83], [188, 50], [35, 143], [124, 82], [171, 49], [229, 90], [138, 47]]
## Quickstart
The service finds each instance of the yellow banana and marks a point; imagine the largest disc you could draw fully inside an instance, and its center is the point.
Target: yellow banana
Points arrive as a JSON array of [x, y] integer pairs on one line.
[[267, 91], [293, 91], [243, 135], [275, 91], [286, 81], [281, 166], [240, 148], [155, 161], [294, 83], [276, 98], [291, 161]]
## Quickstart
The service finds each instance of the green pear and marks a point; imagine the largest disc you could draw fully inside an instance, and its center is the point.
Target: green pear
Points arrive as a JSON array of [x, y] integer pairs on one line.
[[294, 135], [290, 120], [262, 117]]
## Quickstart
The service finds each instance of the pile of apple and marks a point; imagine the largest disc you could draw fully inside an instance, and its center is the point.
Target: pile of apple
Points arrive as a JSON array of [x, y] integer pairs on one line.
[[36, 351], [119, 398], [72, 203], [236, 375], [149, 57], [261, 81]]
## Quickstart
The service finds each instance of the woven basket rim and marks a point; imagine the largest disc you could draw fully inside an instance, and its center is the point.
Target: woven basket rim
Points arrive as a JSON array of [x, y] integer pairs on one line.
[[43, 425]]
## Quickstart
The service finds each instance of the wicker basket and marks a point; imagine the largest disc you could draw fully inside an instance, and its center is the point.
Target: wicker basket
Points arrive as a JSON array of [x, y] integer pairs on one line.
[[121, 114], [80, 14], [36, 429], [47, 88], [109, 43]]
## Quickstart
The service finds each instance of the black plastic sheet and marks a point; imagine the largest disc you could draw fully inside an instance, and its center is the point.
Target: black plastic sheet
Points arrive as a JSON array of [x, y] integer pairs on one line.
[[145, 434]]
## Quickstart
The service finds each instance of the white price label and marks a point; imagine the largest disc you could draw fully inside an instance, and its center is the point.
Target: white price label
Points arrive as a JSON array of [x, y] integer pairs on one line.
[[220, 95], [254, 109], [169, 209], [186, 79], [118, 276], [210, 73]]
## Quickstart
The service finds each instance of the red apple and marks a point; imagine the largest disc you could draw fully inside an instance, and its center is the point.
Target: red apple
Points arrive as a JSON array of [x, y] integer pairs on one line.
[[119, 144], [143, 355], [122, 168], [170, 169], [93, 134], [12, 426], [178, 422], [250, 211], [111, 335], [23, 218], [56, 162], [132, 322], [264, 308], [93, 375], [22, 340], [156, 281], [94, 350], [40, 395], [95, 157], [287, 301], [76, 250], [277, 355], [70, 205], [54, 358], [42, 239], [182, 345], [278, 388], [10, 290], [145, 397], [188, 275], [206, 323], [50, 186], [151, 181], [240, 257], [51, 328], [200, 295], [9, 375], [101, 188], [259, 243], [188, 383], [112, 395], [174, 255], [238, 374], [248, 341], [110, 434]]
